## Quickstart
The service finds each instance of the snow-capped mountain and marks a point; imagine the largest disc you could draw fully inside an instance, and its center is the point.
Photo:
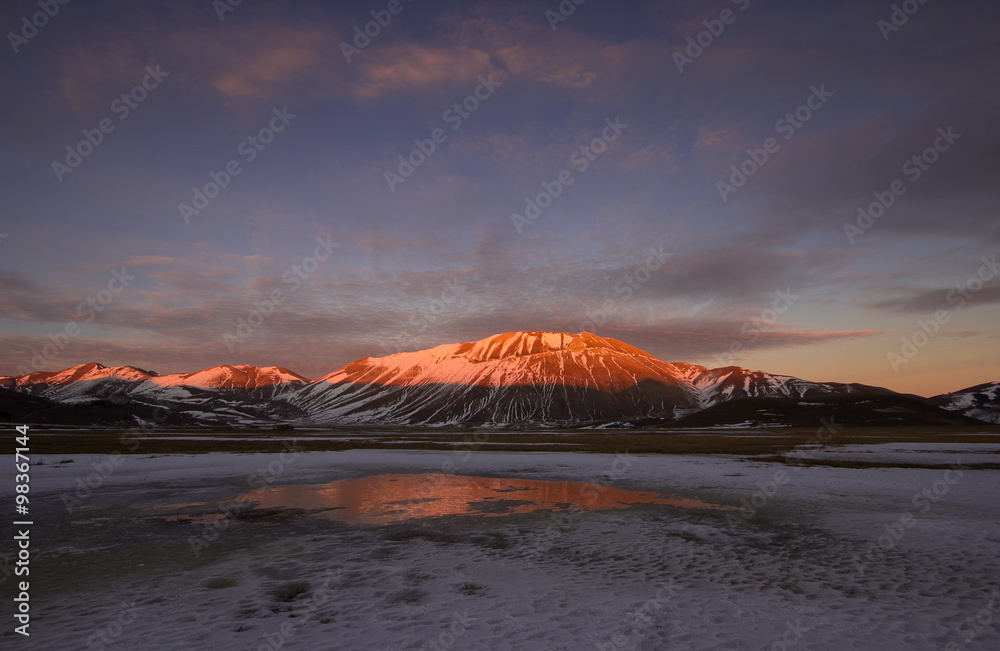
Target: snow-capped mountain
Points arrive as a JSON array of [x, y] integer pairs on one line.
[[515, 378], [533, 377], [81, 373], [83, 381], [243, 376], [241, 394], [732, 382], [981, 402], [88, 380]]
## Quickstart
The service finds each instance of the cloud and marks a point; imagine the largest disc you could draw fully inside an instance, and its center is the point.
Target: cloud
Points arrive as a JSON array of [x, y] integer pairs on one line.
[[150, 260], [931, 300], [404, 67], [258, 61], [93, 75], [686, 341], [658, 156]]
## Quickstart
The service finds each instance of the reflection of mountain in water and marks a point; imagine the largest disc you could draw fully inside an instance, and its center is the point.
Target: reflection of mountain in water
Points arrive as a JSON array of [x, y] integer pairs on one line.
[[382, 499]]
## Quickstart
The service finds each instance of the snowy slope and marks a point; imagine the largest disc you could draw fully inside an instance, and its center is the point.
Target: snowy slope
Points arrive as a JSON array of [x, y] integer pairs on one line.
[[516, 358], [96, 380], [83, 381], [516, 377], [981, 401], [731, 382], [225, 394], [520, 377], [227, 376]]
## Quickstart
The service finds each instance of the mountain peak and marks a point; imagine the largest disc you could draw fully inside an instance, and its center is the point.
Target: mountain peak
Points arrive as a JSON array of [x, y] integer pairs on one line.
[[96, 371], [535, 358], [521, 344], [232, 376]]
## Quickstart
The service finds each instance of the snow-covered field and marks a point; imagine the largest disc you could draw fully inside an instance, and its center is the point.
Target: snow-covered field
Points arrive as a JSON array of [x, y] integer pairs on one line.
[[168, 553]]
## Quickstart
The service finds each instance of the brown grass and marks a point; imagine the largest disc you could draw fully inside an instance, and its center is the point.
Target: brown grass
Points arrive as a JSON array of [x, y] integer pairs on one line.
[[743, 442]]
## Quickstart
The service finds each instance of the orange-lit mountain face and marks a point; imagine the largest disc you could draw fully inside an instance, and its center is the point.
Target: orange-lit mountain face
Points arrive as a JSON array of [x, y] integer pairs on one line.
[[532, 377], [519, 359], [78, 378], [522, 378], [243, 376]]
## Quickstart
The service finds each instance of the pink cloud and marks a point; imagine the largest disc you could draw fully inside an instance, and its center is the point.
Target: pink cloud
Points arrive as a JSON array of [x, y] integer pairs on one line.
[[410, 65], [653, 155], [93, 76], [716, 138], [274, 64]]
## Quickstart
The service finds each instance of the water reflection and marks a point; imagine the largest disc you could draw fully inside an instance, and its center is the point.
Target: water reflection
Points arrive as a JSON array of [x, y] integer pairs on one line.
[[382, 499]]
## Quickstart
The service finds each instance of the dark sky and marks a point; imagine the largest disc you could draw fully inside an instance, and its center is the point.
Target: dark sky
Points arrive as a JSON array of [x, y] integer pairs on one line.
[[647, 235]]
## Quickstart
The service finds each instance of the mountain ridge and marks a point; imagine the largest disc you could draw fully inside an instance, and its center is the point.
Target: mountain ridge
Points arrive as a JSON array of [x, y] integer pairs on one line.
[[514, 378]]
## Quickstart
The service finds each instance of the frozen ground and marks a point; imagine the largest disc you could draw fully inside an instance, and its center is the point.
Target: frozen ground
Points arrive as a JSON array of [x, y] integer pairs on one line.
[[831, 558], [912, 453]]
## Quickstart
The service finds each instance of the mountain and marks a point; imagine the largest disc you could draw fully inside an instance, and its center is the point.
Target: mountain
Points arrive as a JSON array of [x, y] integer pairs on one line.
[[981, 402], [848, 409], [732, 383], [78, 374], [243, 376], [242, 394], [96, 379], [533, 377], [515, 378], [80, 382], [18, 408]]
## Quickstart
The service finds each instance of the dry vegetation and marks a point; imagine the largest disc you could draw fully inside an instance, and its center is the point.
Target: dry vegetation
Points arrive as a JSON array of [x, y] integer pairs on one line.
[[772, 444]]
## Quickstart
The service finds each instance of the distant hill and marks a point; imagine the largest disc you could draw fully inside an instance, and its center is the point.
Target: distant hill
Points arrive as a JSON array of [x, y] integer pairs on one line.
[[981, 402]]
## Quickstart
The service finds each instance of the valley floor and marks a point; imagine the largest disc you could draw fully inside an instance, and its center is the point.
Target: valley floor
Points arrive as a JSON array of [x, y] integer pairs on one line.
[[169, 552]]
